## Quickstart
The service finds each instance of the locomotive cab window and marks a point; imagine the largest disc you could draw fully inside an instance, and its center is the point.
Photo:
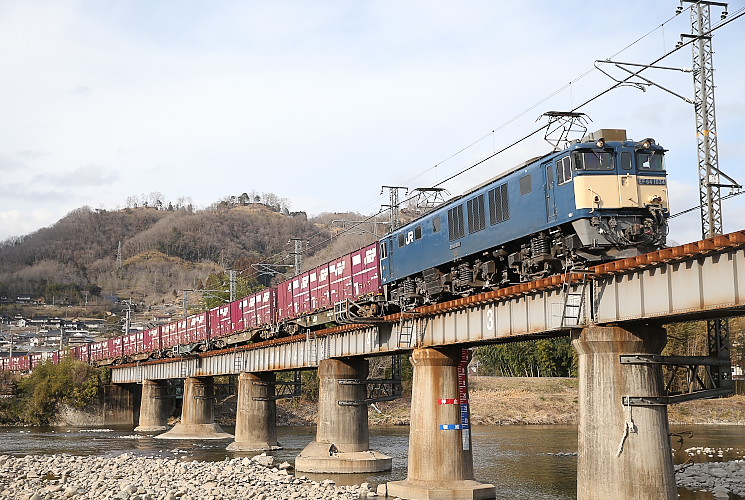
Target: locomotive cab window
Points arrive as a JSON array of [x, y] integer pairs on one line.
[[650, 161], [526, 184], [593, 160], [383, 250], [401, 240], [564, 170], [626, 161], [436, 224], [418, 232]]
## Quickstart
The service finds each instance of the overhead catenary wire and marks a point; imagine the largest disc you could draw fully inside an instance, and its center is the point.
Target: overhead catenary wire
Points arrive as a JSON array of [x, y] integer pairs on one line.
[[731, 18], [531, 108]]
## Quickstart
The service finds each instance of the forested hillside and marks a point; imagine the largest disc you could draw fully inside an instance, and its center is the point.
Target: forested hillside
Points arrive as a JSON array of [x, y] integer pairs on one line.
[[162, 250]]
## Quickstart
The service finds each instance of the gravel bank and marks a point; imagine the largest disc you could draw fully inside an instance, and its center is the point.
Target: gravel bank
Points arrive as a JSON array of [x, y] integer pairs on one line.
[[720, 478], [126, 477]]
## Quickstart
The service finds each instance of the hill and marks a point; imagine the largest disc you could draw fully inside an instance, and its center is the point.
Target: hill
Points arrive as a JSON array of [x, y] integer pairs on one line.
[[162, 251]]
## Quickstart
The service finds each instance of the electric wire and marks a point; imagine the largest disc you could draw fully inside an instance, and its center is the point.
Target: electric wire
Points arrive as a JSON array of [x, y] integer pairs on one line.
[[736, 15], [531, 108]]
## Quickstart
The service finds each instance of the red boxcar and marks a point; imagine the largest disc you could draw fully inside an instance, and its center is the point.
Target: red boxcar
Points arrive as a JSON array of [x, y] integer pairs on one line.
[[196, 327], [247, 311], [340, 272], [82, 353], [151, 340], [169, 335], [20, 363], [285, 307], [35, 359], [365, 271], [114, 348], [57, 356], [266, 307], [133, 343], [4, 364], [301, 293], [219, 318], [320, 289], [236, 317], [99, 350]]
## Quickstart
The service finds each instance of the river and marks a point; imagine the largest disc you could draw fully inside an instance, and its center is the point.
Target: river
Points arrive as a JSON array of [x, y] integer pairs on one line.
[[523, 462]]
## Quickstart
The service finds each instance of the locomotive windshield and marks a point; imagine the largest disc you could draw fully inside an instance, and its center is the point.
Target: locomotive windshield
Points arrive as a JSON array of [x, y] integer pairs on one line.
[[593, 160], [650, 161]]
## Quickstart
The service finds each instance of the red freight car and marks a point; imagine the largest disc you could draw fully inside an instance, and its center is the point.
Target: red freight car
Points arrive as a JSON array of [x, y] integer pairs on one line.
[[99, 350], [285, 307], [219, 321], [301, 294], [20, 363], [365, 271], [247, 311], [340, 271], [82, 353], [151, 340], [196, 328], [36, 359], [320, 288], [266, 307], [133, 343], [169, 335], [236, 317], [114, 348]]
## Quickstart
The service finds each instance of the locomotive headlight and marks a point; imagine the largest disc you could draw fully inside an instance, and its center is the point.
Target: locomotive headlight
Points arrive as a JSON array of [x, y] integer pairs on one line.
[[601, 143], [646, 143], [655, 199]]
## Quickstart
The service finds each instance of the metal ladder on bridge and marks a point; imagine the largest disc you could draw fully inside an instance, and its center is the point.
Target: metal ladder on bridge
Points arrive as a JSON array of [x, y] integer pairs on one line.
[[312, 347], [238, 360], [574, 302], [407, 329]]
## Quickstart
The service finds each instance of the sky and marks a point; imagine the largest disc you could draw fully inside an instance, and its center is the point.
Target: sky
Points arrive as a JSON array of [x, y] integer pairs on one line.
[[324, 102]]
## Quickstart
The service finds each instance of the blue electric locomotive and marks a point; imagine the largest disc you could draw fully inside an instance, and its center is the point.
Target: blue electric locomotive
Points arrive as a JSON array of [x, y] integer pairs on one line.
[[602, 198]]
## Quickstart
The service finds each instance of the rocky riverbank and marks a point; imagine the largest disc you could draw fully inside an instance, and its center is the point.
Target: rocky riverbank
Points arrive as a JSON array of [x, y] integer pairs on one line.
[[720, 478], [127, 477]]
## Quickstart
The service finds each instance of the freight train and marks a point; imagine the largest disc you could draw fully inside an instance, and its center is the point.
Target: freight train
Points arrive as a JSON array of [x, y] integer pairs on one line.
[[601, 198]]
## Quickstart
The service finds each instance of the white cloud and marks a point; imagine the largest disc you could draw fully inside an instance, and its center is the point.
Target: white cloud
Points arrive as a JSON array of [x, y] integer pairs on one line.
[[321, 103]]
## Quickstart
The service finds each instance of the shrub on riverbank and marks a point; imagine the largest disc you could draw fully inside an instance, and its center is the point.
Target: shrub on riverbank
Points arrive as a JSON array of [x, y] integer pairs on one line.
[[40, 394]]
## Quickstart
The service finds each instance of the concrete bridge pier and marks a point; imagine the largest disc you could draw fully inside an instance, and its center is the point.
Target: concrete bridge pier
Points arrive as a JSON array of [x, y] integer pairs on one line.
[[342, 439], [440, 456], [624, 451], [154, 407], [121, 404], [197, 418], [256, 419]]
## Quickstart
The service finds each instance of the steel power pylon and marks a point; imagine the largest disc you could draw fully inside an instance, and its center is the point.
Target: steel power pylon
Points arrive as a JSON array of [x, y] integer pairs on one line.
[[395, 214], [718, 332]]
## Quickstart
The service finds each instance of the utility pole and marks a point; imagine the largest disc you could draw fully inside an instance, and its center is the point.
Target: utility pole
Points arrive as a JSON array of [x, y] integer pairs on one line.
[[232, 275], [186, 302], [718, 331], [298, 253], [395, 214]]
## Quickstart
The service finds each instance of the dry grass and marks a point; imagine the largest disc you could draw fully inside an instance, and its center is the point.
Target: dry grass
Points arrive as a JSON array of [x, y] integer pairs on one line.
[[527, 401]]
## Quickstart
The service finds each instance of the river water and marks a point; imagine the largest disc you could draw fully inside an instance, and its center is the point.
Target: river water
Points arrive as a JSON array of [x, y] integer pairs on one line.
[[523, 462]]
